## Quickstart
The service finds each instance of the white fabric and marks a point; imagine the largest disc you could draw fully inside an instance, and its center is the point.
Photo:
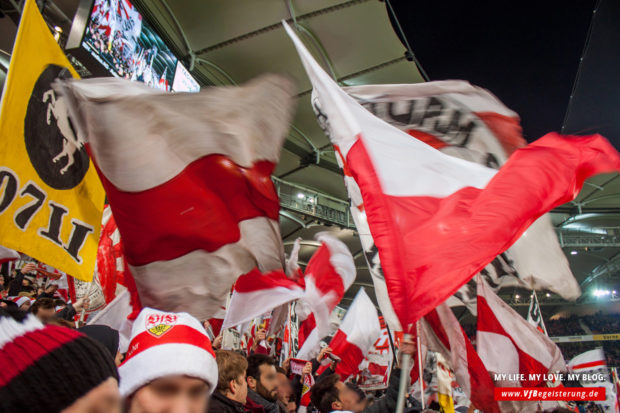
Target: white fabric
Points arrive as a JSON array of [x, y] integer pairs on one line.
[[310, 348], [361, 322], [8, 254], [168, 130], [339, 257], [460, 91], [525, 336], [166, 359], [244, 306], [395, 156], [540, 261], [497, 353], [159, 288]]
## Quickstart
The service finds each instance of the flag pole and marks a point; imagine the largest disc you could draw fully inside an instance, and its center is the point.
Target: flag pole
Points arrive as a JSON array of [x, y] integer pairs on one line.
[[420, 367], [405, 365]]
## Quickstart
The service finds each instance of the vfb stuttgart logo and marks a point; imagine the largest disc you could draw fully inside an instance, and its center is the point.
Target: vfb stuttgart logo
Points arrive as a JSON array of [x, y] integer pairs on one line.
[[53, 147], [159, 324]]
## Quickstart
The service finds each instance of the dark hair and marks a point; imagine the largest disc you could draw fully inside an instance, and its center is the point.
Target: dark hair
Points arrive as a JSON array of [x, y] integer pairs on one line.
[[280, 370], [361, 396], [324, 393], [257, 360], [44, 303]]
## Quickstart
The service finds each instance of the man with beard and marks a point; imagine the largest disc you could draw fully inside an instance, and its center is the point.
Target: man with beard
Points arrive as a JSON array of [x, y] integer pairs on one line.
[[263, 383]]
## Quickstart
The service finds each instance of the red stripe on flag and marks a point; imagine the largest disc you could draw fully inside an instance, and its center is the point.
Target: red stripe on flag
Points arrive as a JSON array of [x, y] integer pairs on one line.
[[325, 276], [178, 334], [351, 356], [464, 231], [256, 281], [589, 364], [527, 364], [200, 208]]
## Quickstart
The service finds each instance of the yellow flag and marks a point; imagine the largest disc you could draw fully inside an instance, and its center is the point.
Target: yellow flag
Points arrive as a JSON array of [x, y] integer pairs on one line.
[[51, 199]]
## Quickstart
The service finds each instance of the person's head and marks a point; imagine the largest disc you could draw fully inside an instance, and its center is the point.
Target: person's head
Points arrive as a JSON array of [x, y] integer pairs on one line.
[[55, 370], [331, 394], [107, 336], [51, 289], [261, 376], [359, 404], [231, 368], [285, 390], [43, 309], [22, 303], [169, 366]]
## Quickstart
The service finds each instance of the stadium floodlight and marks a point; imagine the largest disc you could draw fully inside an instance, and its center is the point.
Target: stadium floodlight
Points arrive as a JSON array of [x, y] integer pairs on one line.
[[573, 252], [300, 195]]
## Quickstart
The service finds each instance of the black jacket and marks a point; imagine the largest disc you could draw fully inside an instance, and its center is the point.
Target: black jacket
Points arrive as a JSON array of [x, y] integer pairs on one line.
[[387, 403], [222, 404]]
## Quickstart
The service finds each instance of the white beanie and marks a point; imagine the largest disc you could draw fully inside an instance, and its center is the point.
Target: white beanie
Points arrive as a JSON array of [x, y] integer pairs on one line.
[[165, 344]]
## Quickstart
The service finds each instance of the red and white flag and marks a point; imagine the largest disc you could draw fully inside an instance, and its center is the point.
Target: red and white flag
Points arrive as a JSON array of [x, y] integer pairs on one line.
[[8, 255], [438, 220], [358, 331], [255, 294], [329, 274], [592, 371], [188, 180], [442, 333], [509, 345]]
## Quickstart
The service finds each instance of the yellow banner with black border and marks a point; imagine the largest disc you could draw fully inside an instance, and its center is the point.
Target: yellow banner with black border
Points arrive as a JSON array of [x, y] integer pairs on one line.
[[51, 199]]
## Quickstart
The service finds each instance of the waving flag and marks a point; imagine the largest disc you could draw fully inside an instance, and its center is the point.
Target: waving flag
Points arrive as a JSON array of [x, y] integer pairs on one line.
[[329, 273], [188, 180], [438, 220], [592, 364], [534, 315], [50, 196], [358, 331], [255, 294], [509, 345], [442, 333], [8, 255]]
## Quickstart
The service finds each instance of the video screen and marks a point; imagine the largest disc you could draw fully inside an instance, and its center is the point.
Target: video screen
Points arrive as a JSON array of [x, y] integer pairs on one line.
[[118, 37]]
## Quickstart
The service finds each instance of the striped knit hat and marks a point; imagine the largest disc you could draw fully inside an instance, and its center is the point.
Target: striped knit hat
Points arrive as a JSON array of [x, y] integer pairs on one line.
[[20, 300], [165, 344], [47, 368]]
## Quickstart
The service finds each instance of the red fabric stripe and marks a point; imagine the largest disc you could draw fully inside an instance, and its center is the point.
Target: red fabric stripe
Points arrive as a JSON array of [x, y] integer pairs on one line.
[[216, 325], [463, 232], [178, 334], [325, 276], [427, 138], [350, 354], [200, 208], [256, 281], [24, 351], [589, 364], [480, 381], [506, 129], [527, 364], [305, 329]]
